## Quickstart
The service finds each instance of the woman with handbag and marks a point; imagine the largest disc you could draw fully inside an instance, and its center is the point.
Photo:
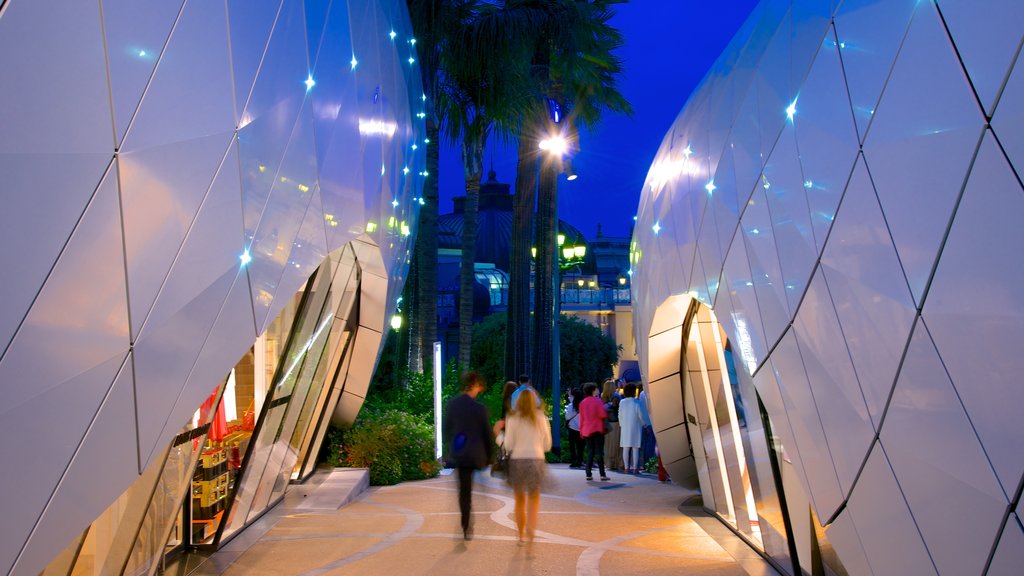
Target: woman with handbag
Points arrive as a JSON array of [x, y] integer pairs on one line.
[[592, 429], [527, 438]]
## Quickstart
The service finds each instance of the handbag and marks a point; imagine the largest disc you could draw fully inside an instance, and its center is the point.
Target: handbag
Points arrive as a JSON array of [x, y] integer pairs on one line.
[[500, 467]]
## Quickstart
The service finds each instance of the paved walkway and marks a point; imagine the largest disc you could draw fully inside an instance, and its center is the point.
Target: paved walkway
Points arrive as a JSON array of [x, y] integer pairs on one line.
[[626, 526]]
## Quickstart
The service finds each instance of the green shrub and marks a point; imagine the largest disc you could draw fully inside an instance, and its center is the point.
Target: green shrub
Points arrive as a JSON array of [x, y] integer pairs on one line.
[[394, 445], [651, 466]]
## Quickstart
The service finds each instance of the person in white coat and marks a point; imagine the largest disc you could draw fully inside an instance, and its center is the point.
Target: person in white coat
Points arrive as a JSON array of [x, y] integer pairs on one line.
[[631, 424]]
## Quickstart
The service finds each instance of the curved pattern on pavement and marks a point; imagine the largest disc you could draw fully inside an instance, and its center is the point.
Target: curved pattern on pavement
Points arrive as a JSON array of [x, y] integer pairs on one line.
[[628, 526]]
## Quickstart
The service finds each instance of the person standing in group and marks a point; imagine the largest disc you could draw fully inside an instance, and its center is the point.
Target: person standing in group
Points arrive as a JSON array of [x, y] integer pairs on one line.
[[527, 438], [647, 434], [572, 420], [471, 448], [611, 397], [592, 419], [631, 424]]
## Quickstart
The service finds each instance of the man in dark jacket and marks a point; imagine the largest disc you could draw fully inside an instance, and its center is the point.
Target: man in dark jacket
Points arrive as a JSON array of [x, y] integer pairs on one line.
[[465, 425]]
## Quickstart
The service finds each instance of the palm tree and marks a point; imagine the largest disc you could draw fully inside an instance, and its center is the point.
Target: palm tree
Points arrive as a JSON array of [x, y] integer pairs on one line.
[[573, 64], [434, 23]]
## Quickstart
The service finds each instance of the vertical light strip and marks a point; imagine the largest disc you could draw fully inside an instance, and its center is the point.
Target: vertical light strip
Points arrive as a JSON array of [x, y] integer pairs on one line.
[[695, 336], [437, 399], [734, 424]]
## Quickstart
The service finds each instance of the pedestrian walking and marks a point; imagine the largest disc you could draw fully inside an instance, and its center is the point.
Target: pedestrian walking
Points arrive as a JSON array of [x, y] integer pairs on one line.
[[471, 445], [631, 429], [592, 426], [527, 438], [611, 397]]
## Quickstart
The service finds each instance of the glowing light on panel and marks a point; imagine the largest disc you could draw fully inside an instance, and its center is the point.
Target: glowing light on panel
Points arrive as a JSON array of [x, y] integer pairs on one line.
[[405, 170], [415, 147], [395, 203], [710, 187], [426, 140], [142, 53], [245, 257], [392, 34], [405, 229], [656, 227], [572, 177], [310, 82], [808, 184], [375, 127], [371, 226], [383, 169], [411, 60], [422, 203], [687, 151], [303, 188], [412, 41], [354, 62], [791, 110], [263, 168]]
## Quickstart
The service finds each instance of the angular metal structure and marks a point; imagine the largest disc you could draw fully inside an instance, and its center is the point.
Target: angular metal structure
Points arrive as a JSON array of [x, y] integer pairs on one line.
[[172, 173], [844, 192]]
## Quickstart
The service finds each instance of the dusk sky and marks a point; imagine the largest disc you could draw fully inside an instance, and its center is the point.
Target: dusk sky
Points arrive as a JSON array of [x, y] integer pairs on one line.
[[670, 45]]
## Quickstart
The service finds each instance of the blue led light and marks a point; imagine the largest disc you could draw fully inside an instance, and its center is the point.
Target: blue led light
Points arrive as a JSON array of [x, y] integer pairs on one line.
[[354, 62], [245, 257], [791, 109], [392, 34], [310, 83]]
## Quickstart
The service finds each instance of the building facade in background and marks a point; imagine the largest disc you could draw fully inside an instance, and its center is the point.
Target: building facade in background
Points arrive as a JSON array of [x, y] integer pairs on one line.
[[207, 211], [828, 287]]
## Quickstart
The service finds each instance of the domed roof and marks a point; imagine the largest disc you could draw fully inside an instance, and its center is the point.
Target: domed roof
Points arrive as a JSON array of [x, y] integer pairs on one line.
[[494, 231]]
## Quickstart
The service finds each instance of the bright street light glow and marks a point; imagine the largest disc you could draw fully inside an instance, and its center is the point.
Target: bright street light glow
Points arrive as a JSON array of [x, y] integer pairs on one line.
[[554, 145]]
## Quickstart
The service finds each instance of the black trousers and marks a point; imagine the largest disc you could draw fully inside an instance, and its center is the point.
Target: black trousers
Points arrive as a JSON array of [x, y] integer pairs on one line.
[[466, 495], [575, 448], [595, 451]]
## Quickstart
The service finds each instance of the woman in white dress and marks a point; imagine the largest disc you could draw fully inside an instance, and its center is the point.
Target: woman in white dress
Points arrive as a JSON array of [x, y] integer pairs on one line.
[[527, 438], [631, 424]]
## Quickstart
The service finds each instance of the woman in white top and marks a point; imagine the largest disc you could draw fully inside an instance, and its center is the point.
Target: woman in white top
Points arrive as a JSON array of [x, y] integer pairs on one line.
[[631, 424], [527, 438]]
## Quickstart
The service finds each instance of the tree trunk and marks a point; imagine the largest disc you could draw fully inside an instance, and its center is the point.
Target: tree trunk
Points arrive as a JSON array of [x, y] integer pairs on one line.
[[426, 260], [517, 335], [546, 275], [472, 159]]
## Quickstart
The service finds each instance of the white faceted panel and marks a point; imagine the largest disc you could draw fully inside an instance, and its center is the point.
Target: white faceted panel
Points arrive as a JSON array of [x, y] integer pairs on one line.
[[1009, 116], [798, 399], [106, 452], [746, 314], [785, 192], [870, 33], [136, 34], [935, 452], [81, 318], [308, 250], [975, 309], [232, 335], [250, 28], [922, 144], [665, 353], [275, 237], [334, 55], [54, 149], [869, 291], [886, 528], [768, 391], [842, 534], [1009, 556], [673, 445], [191, 298], [826, 137], [666, 400], [366, 346], [268, 121], [55, 419], [985, 40], [834, 385], [765, 270]]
